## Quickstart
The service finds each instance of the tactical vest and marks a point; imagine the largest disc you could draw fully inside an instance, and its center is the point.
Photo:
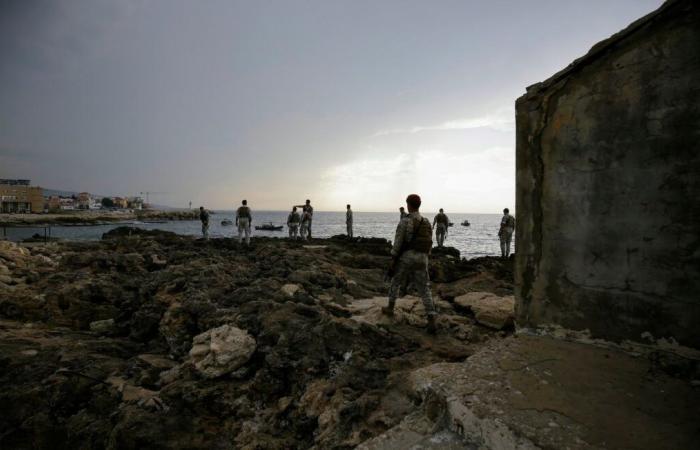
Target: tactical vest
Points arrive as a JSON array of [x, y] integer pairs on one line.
[[244, 212], [509, 221], [441, 218], [422, 240], [293, 218]]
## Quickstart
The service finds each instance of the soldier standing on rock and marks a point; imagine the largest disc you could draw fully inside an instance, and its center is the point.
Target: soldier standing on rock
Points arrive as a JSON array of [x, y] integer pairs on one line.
[[409, 259], [505, 232], [305, 225], [204, 217], [293, 221], [244, 220], [402, 213], [440, 223], [348, 221], [307, 208]]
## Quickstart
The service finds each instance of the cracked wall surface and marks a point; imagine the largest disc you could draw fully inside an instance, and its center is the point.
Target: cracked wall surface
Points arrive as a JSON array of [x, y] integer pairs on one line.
[[608, 186]]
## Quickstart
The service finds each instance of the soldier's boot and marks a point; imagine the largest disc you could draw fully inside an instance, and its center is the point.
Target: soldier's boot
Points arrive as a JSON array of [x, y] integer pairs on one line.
[[388, 311], [431, 328]]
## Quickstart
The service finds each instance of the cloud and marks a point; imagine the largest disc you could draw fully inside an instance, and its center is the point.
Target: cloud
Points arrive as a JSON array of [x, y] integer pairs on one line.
[[481, 181], [501, 120]]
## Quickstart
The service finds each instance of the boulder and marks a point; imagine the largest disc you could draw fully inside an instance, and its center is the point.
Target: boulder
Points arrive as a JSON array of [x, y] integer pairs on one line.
[[221, 350], [102, 326], [489, 309], [290, 289]]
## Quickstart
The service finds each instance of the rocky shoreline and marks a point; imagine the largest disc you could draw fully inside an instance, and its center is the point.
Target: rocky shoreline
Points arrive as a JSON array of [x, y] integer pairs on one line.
[[148, 339], [88, 218]]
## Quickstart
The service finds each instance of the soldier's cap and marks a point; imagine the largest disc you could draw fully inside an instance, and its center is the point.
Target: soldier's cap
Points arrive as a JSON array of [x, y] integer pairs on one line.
[[413, 200]]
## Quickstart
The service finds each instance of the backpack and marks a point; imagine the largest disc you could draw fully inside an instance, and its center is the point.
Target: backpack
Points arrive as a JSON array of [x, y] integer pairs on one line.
[[422, 241], [244, 212]]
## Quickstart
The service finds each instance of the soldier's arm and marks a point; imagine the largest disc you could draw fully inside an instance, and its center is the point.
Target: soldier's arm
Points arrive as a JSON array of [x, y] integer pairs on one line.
[[398, 239]]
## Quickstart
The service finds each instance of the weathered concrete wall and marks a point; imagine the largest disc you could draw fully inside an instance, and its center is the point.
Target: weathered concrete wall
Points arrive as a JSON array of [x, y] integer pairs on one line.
[[608, 186]]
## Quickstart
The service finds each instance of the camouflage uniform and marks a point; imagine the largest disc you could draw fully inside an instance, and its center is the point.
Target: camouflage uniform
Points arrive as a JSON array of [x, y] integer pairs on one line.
[[441, 223], [244, 218], [412, 266], [204, 217], [348, 221], [505, 234], [293, 223]]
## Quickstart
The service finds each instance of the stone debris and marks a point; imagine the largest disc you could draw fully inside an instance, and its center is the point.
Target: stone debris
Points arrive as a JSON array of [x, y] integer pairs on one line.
[[276, 347], [221, 350], [489, 309]]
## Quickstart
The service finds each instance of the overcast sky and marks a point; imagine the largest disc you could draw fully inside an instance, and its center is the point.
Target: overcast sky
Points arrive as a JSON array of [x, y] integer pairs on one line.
[[358, 102]]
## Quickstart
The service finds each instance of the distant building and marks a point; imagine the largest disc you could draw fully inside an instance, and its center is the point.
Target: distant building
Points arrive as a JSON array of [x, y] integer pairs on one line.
[[83, 201], [95, 203], [18, 196], [67, 203], [54, 203], [10, 182], [120, 202], [136, 203]]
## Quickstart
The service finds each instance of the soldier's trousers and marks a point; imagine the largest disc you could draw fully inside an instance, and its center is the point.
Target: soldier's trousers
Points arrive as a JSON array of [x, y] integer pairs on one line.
[[293, 230], [505, 244], [440, 231], [348, 225], [413, 266], [205, 230], [244, 228], [305, 230]]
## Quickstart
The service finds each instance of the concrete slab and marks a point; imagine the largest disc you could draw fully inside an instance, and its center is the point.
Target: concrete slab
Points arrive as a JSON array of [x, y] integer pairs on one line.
[[529, 392]]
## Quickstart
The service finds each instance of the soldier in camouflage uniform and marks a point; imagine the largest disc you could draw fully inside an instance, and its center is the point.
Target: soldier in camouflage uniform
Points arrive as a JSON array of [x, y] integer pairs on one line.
[[505, 232], [409, 253]]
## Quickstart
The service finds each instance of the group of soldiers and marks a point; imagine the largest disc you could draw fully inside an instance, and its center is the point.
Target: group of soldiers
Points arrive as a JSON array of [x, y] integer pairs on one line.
[[411, 248], [299, 225]]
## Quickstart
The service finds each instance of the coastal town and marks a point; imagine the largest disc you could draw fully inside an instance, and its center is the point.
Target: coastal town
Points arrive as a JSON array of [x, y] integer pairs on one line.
[[19, 196]]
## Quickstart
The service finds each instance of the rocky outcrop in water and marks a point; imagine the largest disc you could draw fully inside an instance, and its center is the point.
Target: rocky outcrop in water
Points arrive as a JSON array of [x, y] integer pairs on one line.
[[153, 340]]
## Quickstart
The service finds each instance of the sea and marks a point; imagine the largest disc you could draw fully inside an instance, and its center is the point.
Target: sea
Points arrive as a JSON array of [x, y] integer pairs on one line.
[[478, 239]]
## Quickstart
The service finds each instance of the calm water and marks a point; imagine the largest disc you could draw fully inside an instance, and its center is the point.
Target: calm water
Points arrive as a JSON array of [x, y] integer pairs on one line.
[[479, 239]]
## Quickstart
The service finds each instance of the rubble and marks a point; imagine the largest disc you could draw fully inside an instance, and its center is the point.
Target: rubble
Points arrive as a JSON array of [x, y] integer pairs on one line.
[[150, 339]]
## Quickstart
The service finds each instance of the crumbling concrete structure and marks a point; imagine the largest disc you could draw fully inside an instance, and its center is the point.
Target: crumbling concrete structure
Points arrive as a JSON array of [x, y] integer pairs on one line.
[[608, 181]]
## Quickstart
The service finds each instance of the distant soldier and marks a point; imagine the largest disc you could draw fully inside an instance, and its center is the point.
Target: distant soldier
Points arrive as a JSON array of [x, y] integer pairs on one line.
[[310, 209], [293, 221], [204, 217], [306, 225], [244, 219], [348, 221], [505, 232], [402, 213], [440, 224], [409, 259]]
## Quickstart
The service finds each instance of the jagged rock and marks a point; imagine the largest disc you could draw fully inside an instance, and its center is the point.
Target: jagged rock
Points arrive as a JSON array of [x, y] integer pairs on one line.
[[221, 350], [290, 289], [489, 309], [102, 326]]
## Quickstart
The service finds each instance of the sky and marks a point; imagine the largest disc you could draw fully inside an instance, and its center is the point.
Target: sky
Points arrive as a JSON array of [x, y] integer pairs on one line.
[[360, 102]]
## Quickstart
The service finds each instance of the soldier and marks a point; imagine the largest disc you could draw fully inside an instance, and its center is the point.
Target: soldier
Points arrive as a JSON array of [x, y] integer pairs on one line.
[[293, 221], [306, 225], [204, 217], [409, 259], [348, 221], [310, 209], [402, 213], [244, 220], [442, 223], [505, 232]]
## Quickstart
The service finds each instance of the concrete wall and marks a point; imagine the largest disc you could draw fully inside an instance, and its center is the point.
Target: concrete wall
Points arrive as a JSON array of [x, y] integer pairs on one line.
[[608, 186]]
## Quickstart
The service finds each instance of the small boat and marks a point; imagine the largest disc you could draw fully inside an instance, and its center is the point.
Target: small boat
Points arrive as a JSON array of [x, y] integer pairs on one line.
[[465, 223], [227, 222], [269, 227], [451, 224]]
